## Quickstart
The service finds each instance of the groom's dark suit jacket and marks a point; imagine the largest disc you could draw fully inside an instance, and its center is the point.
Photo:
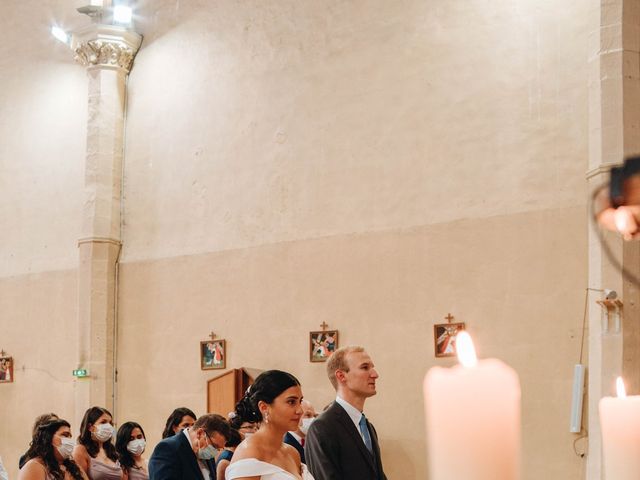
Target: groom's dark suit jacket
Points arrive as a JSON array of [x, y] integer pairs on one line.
[[334, 449], [173, 459]]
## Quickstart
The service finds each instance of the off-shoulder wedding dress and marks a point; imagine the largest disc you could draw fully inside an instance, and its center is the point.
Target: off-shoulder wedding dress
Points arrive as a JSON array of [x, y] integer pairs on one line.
[[251, 467]]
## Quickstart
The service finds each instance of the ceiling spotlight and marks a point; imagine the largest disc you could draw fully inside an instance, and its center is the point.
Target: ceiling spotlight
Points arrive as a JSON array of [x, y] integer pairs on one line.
[[122, 14], [60, 34]]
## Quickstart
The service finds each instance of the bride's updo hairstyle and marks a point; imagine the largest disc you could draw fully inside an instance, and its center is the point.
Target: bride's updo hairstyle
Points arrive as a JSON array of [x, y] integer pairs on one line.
[[266, 388]]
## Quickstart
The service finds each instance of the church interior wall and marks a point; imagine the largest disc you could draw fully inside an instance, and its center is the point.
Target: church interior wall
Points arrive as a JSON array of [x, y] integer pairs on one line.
[[371, 165]]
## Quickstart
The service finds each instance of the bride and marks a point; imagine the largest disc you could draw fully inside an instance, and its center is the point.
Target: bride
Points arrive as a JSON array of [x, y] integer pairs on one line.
[[274, 399]]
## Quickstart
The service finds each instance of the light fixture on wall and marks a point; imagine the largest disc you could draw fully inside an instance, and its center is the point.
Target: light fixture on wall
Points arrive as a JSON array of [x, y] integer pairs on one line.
[[114, 12], [122, 15], [60, 34]]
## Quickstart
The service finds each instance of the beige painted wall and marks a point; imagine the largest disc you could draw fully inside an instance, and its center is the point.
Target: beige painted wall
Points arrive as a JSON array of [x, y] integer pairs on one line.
[[374, 165], [508, 280]]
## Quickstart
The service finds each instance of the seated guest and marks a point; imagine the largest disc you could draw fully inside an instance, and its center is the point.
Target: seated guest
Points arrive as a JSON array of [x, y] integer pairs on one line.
[[40, 420], [50, 454], [95, 452], [179, 419], [183, 456], [296, 438], [130, 444], [246, 428], [222, 462]]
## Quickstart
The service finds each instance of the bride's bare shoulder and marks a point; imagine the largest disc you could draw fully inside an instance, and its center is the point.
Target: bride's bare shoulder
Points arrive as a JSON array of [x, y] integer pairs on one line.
[[249, 448]]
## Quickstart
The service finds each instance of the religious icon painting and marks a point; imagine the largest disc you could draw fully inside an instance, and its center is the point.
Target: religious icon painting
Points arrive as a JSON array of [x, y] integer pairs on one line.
[[444, 336], [322, 345], [213, 354], [6, 369]]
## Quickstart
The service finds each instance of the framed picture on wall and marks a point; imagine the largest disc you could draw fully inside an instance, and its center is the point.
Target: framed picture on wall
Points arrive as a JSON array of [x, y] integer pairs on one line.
[[6, 369], [322, 345], [444, 338], [213, 354]]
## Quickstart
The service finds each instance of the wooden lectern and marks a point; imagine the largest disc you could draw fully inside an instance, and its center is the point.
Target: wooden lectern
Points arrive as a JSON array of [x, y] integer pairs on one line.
[[224, 391]]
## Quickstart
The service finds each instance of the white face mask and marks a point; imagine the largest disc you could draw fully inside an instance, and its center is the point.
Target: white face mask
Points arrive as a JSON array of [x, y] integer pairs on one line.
[[136, 447], [306, 423], [104, 432], [65, 449]]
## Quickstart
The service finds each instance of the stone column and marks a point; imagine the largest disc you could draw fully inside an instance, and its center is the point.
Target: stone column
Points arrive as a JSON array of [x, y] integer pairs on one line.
[[630, 59], [107, 52], [613, 134]]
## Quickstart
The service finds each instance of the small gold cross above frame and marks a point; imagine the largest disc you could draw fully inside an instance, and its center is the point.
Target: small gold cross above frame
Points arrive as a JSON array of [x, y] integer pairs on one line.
[[212, 336], [2, 353], [444, 337], [324, 325]]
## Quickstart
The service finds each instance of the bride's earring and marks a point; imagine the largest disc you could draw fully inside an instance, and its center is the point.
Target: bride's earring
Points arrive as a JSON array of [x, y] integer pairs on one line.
[[265, 416]]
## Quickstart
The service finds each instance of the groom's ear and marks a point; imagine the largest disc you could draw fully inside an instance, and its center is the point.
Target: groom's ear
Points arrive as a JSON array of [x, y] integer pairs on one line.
[[340, 376]]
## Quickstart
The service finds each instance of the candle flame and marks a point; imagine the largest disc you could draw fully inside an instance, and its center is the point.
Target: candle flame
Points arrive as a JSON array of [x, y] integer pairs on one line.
[[622, 393], [465, 349]]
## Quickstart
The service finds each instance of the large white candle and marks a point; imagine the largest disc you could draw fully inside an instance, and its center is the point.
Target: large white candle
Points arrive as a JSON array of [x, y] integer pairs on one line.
[[620, 425], [473, 418]]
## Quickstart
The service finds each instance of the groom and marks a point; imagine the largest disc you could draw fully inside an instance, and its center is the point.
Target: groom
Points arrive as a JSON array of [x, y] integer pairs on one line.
[[341, 443]]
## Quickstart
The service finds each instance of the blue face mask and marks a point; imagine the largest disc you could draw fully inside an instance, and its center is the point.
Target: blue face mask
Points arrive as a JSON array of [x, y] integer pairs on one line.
[[207, 453]]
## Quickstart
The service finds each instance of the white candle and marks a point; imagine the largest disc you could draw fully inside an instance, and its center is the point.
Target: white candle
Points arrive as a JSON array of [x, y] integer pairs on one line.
[[473, 418], [620, 425]]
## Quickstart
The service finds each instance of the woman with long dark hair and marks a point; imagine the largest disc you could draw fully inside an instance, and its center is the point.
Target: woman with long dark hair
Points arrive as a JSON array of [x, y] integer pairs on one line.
[[40, 420], [179, 419], [274, 400], [130, 444], [50, 454], [95, 452]]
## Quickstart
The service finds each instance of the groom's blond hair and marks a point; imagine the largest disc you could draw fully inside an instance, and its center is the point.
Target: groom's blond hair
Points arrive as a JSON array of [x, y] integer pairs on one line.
[[338, 361]]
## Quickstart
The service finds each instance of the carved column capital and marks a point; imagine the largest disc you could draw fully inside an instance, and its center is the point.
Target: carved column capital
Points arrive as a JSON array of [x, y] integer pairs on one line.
[[106, 46]]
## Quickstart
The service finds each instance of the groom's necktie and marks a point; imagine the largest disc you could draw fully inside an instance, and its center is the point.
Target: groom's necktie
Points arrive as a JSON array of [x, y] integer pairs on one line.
[[365, 433]]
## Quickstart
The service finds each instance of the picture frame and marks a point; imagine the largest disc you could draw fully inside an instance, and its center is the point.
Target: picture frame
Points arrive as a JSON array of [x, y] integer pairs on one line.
[[213, 354], [322, 344], [6, 369], [444, 338]]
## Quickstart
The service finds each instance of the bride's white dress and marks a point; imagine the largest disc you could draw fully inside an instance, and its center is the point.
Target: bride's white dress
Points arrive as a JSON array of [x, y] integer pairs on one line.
[[251, 467]]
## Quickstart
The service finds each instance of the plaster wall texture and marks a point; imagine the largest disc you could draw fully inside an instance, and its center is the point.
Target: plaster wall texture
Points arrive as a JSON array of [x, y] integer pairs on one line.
[[264, 122], [43, 114]]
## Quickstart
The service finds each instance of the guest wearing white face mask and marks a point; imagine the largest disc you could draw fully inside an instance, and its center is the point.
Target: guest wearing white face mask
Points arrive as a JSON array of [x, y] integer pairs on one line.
[[296, 439], [186, 456], [130, 444], [95, 452], [50, 454]]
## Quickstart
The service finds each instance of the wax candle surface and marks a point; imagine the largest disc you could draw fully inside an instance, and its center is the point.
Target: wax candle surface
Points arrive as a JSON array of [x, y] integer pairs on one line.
[[620, 425], [473, 422]]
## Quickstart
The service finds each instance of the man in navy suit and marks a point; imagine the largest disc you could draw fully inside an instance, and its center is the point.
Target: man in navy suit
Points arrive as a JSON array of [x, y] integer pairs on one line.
[[188, 454], [341, 443], [296, 439]]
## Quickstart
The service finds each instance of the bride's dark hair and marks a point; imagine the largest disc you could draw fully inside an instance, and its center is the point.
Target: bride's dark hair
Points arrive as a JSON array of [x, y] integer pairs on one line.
[[266, 388]]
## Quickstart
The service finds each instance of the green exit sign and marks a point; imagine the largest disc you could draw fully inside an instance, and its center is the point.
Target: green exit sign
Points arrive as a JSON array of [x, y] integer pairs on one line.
[[80, 373]]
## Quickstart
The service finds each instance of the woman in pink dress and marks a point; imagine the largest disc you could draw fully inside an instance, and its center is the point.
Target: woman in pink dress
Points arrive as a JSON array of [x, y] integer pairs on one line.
[[95, 452]]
